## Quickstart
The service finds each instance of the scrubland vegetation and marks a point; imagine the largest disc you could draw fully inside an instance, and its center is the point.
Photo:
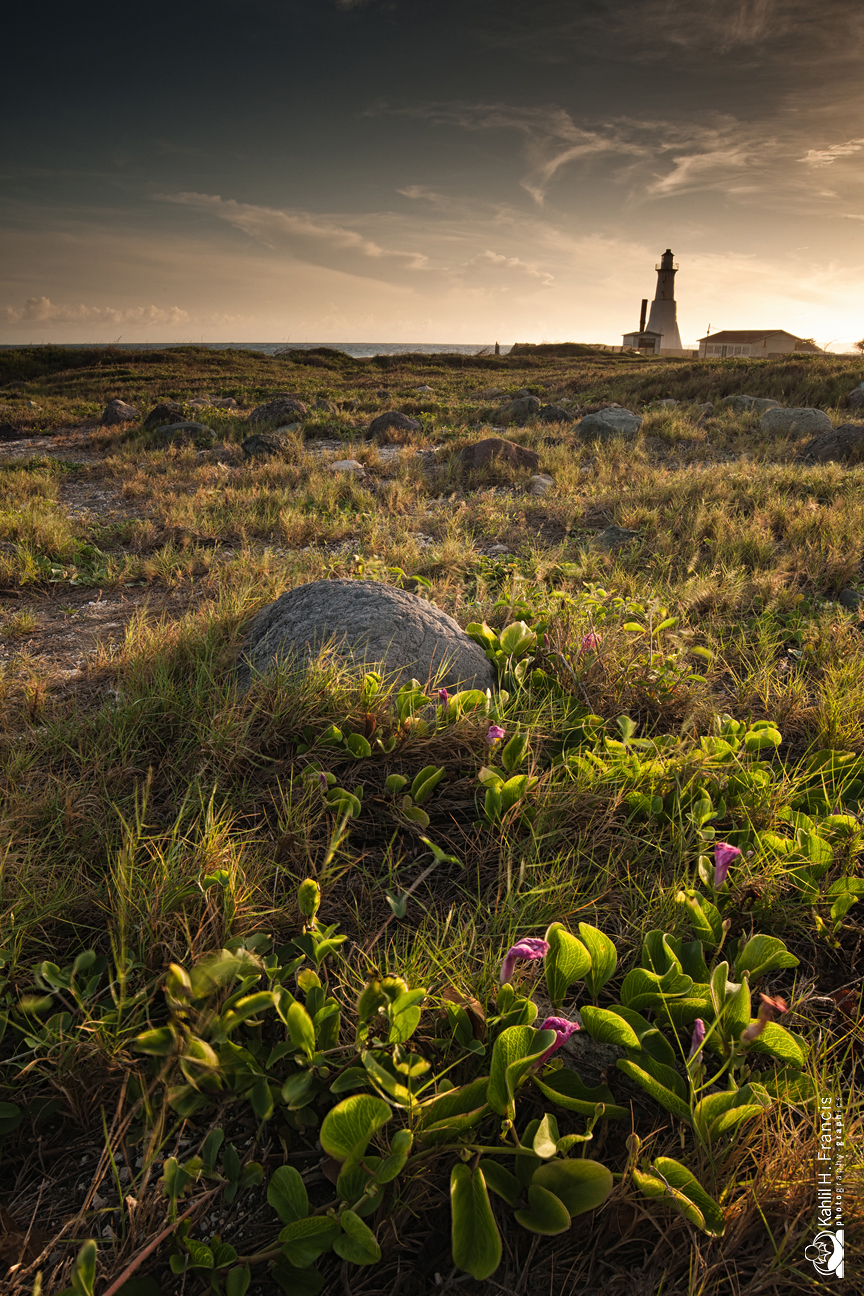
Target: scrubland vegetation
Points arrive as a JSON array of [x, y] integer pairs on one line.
[[238, 929]]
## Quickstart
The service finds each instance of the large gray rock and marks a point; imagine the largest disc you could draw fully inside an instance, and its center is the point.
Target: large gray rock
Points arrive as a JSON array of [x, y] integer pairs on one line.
[[393, 425], [855, 399], [555, 414], [803, 422], [262, 445], [368, 623], [608, 423], [117, 411], [518, 411], [482, 454], [844, 444], [198, 434], [744, 404], [282, 409]]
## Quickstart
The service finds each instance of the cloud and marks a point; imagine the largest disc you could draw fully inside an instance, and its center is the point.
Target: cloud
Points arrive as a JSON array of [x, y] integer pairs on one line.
[[825, 156], [318, 236], [41, 310], [498, 262]]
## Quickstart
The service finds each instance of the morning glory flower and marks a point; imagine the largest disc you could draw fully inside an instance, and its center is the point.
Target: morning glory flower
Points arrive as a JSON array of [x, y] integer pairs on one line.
[[563, 1030], [443, 696], [698, 1038], [495, 734], [724, 854], [589, 643], [767, 1009], [531, 947]]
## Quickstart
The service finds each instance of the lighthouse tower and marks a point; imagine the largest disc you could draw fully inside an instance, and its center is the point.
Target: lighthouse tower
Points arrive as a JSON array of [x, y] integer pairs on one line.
[[663, 318]]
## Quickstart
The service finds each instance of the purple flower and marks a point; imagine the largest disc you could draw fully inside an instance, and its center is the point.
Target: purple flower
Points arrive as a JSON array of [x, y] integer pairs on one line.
[[589, 643], [495, 734], [767, 1009], [724, 854], [532, 947], [698, 1038], [563, 1030], [322, 779], [443, 696]]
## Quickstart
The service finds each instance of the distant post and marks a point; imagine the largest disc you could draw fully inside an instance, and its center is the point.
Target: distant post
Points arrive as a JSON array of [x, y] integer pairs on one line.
[[497, 349]]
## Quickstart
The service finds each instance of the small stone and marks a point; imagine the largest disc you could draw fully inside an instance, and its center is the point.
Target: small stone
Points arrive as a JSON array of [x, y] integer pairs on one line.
[[32, 405], [541, 484], [393, 426], [326, 406], [482, 453], [555, 414], [424, 388], [214, 402], [614, 536], [347, 466], [804, 421], [498, 549], [743, 403], [668, 402], [490, 393], [162, 415], [287, 427], [117, 411], [851, 599], [97, 1202]]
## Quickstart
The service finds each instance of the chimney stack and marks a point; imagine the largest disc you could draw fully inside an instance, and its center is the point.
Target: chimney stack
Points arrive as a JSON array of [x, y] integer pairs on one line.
[[642, 316]]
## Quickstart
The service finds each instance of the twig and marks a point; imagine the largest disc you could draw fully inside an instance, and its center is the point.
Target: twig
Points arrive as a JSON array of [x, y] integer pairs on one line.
[[151, 1246]]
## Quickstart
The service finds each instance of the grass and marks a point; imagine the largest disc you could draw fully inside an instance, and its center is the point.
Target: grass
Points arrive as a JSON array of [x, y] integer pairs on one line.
[[153, 815]]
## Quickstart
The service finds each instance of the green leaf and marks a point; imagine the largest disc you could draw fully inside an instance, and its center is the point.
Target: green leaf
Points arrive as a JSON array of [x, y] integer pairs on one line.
[[608, 1027], [287, 1194], [84, 1273], [346, 1130], [358, 746], [243, 1009], [357, 1244], [567, 961], [395, 783], [475, 1237], [564, 1088], [680, 1178], [704, 916], [763, 954], [546, 1213], [515, 1050], [301, 1028], [580, 1185], [351, 1078], [158, 1043], [261, 1098], [304, 1240], [781, 1044], [238, 1280], [140, 1285], [660, 1092], [426, 782], [514, 752], [394, 1164], [501, 1181], [298, 1089], [546, 1139], [516, 638], [404, 1016], [294, 1281], [604, 958]]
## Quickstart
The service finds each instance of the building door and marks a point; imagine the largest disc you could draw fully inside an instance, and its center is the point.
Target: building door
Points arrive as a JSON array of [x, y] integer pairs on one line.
[[723, 352]]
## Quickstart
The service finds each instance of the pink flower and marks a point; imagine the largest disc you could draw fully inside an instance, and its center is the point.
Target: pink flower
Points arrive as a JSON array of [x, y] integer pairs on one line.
[[724, 854], [495, 734], [767, 1009], [589, 643], [443, 696], [322, 780], [563, 1030], [698, 1038], [531, 947]]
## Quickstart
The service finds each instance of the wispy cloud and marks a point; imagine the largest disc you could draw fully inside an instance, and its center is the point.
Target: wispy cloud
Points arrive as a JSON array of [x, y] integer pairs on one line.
[[280, 227], [498, 263], [816, 157], [41, 310]]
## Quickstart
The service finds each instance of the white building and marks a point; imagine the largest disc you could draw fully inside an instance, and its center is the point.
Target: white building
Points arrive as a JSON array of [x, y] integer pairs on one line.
[[753, 342], [661, 336]]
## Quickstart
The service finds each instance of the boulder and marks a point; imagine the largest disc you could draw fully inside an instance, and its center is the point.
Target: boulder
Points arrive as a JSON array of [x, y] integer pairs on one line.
[[368, 623], [851, 599], [801, 421], [668, 402], [482, 453], [117, 411], [555, 414], [614, 536], [393, 426], [542, 484], [489, 393], [261, 445], [843, 444], [855, 399], [162, 414], [281, 409], [703, 410], [214, 402], [607, 423], [743, 404], [198, 434], [326, 406], [352, 466], [518, 411]]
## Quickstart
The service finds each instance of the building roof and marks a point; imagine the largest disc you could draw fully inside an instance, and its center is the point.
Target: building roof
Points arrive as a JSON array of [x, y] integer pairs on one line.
[[746, 335], [641, 333]]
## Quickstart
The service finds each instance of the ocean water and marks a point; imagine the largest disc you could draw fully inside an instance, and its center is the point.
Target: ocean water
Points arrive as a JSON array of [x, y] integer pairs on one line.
[[359, 349]]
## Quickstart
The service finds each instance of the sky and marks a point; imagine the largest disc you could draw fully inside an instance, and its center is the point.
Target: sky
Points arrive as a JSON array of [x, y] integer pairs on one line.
[[429, 170]]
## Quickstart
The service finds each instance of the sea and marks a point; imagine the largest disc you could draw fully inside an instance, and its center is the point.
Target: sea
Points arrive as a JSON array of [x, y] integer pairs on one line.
[[358, 349]]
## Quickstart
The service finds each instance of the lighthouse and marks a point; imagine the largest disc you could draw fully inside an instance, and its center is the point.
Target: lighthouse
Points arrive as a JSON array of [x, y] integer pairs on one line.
[[661, 333]]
